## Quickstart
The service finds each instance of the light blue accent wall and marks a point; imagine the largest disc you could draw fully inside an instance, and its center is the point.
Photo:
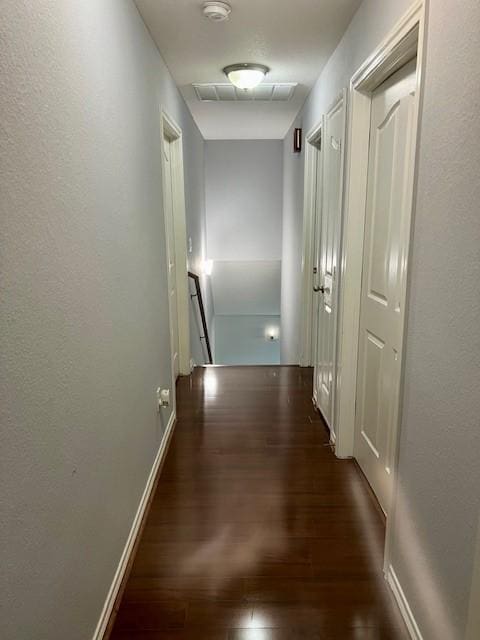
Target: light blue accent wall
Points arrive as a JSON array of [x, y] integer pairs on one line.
[[242, 340]]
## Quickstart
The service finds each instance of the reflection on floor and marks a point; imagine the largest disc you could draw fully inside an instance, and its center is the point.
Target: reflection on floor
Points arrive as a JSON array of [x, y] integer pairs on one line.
[[257, 531]]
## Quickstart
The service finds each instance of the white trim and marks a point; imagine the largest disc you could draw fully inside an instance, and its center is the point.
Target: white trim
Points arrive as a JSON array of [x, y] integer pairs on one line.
[[170, 128], [403, 605], [401, 43], [309, 204], [313, 167], [315, 134], [473, 621], [344, 100], [134, 532]]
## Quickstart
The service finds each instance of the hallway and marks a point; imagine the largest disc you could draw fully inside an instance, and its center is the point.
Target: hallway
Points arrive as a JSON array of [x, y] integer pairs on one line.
[[256, 530]]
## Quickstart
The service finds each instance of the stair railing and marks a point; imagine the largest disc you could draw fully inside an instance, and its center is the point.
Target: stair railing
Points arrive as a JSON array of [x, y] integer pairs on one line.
[[198, 296]]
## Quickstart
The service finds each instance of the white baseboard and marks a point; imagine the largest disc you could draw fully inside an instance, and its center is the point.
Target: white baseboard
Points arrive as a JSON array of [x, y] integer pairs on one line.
[[134, 531], [403, 605], [333, 437]]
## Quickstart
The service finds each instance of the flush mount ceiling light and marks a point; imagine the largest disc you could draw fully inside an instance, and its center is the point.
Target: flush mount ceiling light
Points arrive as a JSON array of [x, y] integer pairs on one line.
[[245, 75], [216, 11]]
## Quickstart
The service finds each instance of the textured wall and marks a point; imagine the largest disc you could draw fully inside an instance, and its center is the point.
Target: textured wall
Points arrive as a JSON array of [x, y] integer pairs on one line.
[[372, 20], [244, 199], [439, 462], [292, 230], [84, 338], [440, 441]]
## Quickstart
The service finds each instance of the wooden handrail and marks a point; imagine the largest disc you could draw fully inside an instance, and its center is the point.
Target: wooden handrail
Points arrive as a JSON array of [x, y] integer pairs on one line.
[[199, 297]]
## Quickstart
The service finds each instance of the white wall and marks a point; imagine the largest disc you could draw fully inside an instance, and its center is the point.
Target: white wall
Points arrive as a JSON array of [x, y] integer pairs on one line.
[[247, 288], [194, 167], [292, 230], [372, 20], [84, 338], [439, 463], [242, 340], [244, 199], [244, 190], [440, 442]]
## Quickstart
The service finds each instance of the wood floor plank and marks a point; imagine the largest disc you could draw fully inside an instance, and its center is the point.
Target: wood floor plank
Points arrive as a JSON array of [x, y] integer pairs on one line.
[[256, 530]]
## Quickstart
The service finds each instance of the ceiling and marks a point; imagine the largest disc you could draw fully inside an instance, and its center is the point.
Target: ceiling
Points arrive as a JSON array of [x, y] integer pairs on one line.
[[293, 37]]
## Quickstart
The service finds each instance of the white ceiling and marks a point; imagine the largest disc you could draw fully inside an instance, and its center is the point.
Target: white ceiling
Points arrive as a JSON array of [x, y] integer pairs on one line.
[[293, 37]]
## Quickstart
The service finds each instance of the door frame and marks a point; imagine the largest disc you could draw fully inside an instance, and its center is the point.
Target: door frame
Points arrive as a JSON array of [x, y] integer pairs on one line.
[[314, 161], [404, 41], [343, 98], [308, 326], [170, 129], [308, 245]]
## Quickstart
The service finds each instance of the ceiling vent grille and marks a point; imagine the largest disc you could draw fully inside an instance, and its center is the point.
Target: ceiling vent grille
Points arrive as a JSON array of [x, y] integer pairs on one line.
[[226, 92]]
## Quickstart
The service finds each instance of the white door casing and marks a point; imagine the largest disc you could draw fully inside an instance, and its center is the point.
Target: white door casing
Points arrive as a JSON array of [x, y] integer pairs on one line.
[[171, 257], [307, 299], [316, 230], [315, 145], [328, 237], [402, 43], [176, 244], [386, 240]]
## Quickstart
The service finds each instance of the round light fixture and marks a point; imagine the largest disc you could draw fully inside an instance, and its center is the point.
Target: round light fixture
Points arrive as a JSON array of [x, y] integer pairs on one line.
[[245, 75], [216, 11]]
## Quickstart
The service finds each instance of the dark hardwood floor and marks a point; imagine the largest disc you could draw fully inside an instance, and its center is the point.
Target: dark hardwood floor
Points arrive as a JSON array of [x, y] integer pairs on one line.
[[256, 530]]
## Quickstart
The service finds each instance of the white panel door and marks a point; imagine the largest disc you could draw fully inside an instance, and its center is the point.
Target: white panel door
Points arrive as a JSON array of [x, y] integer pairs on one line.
[[387, 229], [317, 148], [172, 274], [328, 258]]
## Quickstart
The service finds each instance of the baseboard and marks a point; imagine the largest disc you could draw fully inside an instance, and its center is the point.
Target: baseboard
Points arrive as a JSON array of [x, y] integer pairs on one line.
[[108, 611], [403, 605], [331, 432]]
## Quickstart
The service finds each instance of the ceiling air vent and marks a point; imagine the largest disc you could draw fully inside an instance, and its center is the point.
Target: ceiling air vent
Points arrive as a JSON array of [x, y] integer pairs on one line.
[[226, 92]]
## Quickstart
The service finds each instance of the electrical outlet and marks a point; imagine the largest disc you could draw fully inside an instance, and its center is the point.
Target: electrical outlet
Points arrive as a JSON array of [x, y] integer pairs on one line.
[[163, 398]]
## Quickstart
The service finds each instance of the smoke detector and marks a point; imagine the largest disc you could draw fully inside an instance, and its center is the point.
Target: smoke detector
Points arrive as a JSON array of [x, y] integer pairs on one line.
[[216, 11]]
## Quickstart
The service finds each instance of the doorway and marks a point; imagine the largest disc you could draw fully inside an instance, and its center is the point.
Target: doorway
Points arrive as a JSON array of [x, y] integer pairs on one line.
[[385, 94], [328, 251], [386, 239], [176, 246], [324, 179]]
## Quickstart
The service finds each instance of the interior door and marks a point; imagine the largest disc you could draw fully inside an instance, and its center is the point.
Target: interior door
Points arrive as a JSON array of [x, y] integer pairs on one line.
[[170, 231], [387, 229], [317, 149], [329, 248]]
